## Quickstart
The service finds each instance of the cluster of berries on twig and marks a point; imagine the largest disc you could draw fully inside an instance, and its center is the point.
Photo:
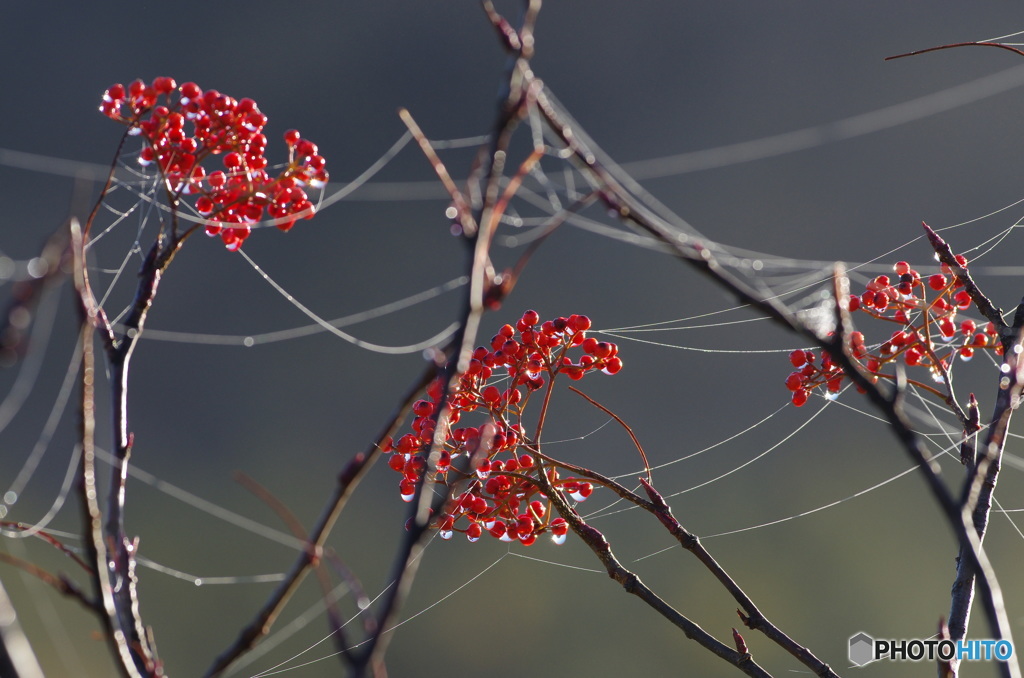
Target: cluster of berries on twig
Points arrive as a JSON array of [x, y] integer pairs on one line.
[[183, 126], [929, 332], [494, 461]]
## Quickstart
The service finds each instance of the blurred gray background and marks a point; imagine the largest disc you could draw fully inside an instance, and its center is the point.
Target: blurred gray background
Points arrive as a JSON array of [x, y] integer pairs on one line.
[[646, 80]]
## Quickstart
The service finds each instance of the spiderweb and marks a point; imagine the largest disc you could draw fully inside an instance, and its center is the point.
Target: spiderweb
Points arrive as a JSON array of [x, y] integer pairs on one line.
[[282, 361]]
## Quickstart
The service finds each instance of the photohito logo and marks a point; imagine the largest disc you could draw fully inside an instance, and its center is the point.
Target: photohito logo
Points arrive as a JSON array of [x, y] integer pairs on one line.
[[865, 649]]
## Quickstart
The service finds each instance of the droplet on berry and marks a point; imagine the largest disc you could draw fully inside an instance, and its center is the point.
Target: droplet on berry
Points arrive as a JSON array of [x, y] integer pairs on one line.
[[582, 492]]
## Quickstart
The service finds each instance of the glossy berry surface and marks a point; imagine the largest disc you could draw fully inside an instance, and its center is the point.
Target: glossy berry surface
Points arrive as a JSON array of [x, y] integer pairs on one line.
[[184, 126], [486, 461], [930, 331]]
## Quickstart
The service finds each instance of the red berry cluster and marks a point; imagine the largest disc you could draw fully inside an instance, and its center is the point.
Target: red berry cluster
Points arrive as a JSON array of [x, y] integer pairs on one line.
[[184, 125], [502, 496], [929, 333]]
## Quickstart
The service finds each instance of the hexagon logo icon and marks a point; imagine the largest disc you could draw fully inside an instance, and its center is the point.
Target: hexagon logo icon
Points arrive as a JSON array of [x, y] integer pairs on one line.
[[861, 649]]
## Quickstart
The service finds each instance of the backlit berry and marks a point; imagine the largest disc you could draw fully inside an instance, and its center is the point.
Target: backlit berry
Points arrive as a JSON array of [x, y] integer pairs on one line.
[[182, 126]]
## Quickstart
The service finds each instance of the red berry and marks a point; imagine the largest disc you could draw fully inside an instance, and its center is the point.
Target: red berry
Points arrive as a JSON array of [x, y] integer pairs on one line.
[[164, 85], [498, 529], [305, 148], [190, 92], [613, 365], [115, 93]]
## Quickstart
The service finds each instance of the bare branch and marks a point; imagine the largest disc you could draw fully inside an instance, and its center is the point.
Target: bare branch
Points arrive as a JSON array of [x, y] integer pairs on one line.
[[702, 259]]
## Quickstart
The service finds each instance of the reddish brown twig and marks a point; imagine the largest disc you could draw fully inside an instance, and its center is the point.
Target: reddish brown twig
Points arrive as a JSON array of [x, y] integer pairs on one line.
[[957, 44], [632, 436]]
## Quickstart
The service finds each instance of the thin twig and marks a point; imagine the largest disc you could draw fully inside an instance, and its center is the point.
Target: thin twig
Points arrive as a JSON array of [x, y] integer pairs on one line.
[[87, 489], [632, 436], [983, 465], [632, 584], [348, 480], [752, 617], [61, 584], [294, 525], [957, 44]]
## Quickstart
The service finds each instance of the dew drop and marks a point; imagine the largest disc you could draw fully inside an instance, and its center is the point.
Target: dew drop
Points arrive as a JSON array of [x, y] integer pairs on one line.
[[559, 539], [472, 539], [198, 581], [445, 534], [19, 318], [408, 497], [578, 496], [37, 267], [248, 342], [10, 497], [831, 395]]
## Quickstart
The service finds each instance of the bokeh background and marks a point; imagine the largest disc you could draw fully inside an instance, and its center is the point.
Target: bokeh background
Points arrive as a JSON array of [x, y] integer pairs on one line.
[[647, 80]]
